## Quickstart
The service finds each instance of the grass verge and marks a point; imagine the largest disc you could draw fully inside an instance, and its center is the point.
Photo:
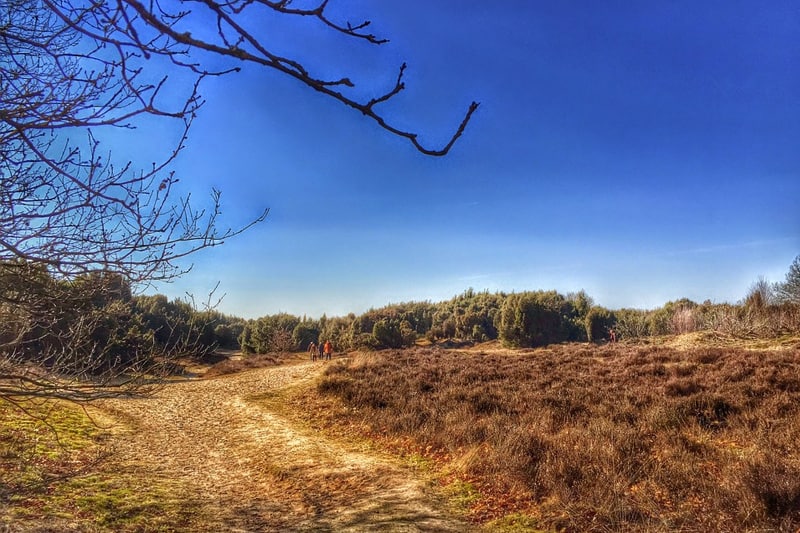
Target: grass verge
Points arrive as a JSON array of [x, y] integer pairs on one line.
[[55, 475]]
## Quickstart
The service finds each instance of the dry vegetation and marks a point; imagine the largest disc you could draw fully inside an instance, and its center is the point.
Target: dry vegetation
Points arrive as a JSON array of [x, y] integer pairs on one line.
[[594, 438], [685, 433], [237, 363]]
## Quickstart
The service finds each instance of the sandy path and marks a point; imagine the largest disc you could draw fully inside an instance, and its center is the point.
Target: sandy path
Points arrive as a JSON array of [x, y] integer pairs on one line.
[[254, 470]]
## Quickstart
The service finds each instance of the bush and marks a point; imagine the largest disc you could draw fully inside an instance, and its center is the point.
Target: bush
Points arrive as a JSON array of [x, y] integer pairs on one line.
[[776, 485], [532, 319], [387, 334], [365, 341], [598, 321], [631, 323]]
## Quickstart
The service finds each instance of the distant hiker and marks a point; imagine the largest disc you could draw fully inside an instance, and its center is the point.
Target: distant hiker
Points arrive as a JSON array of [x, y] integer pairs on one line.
[[328, 349], [319, 351], [612, 335], [312, 349]]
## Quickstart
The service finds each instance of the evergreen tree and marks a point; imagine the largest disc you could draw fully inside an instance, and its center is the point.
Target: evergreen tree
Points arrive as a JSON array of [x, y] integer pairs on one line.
[[789, 290]]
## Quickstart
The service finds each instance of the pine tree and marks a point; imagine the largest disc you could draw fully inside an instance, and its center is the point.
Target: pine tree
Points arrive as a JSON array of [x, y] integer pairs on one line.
[[789, 290]]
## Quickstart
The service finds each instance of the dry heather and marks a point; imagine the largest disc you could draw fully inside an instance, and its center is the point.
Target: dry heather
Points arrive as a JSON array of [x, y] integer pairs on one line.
[[587, 438]]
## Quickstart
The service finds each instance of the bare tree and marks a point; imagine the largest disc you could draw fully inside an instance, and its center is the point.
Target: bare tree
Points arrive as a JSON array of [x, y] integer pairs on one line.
[[69, 66], [761, 294], [70, 70]]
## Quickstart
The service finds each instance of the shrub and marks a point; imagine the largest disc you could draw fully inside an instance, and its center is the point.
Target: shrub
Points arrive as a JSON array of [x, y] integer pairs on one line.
[[531, 319], [598, 321], [775, 484], [365, 341], [387, 333], [631, 323], [673, 318], [683, 321]]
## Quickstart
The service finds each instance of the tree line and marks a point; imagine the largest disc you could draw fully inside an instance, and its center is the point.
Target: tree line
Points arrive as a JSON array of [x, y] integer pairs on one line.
[[91, 327], [531, 318], [111, 328]]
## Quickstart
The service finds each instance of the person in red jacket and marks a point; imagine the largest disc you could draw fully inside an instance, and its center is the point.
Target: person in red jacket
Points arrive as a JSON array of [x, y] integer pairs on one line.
[[328, 349]]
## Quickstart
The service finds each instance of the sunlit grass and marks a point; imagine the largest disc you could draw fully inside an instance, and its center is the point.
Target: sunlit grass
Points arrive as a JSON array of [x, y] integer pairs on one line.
[[55, 473]]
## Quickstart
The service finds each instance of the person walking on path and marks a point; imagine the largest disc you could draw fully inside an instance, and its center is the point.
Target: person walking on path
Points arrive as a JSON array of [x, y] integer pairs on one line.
[[312, 349], [319, 350], [328, 349]]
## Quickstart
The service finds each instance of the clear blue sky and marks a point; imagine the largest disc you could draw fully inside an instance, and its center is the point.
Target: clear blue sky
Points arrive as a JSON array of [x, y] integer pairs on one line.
[[641, 151]]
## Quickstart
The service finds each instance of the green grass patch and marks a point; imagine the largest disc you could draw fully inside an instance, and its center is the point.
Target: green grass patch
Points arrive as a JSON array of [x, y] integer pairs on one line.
[[124, 503], [54, 472], [45, 441], [461, 494], [419, 462], [515, 523]]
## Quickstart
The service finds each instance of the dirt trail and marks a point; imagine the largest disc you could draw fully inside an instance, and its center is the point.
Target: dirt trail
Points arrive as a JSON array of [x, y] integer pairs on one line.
[[254, 470]]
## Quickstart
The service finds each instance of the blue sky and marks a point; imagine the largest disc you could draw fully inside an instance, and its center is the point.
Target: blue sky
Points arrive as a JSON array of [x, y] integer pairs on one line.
[[642, 152]]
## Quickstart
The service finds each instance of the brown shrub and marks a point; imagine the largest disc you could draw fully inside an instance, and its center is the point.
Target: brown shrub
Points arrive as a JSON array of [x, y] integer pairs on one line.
[[706, 356], [232, 366], [682, 387], [776, 485], [711, 412]]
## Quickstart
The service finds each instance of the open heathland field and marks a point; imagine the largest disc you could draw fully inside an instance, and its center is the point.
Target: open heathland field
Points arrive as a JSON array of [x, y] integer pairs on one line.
[[685, 433]]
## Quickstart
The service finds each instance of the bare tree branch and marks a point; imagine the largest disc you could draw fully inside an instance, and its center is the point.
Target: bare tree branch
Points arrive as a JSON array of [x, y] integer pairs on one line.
[[76, 222]]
